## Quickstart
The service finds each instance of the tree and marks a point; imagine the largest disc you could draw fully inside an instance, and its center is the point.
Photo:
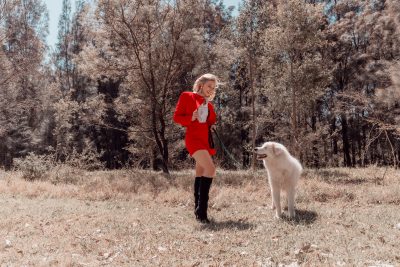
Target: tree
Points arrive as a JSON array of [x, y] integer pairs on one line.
[[386, 39], [295, 66], [79, 106], [153, 49], [250, 26], [23, 27], [63, 54], [363, 47]]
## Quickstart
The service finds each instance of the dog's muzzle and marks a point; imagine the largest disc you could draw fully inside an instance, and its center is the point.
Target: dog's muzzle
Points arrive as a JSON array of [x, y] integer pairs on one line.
[[261, 156]]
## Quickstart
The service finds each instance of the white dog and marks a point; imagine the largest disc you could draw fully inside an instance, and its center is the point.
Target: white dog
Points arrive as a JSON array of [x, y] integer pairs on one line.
[[283, 174]]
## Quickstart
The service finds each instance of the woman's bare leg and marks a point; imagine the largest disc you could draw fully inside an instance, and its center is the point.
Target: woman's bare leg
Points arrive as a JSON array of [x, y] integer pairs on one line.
[[205, 164], [204, 160], [199, 170]]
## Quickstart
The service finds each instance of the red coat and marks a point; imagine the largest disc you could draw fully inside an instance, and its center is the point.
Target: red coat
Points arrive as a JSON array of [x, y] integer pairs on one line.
[[196, 137]]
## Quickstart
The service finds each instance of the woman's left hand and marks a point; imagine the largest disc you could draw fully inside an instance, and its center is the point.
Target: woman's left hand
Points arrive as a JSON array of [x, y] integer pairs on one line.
[[213, 127]]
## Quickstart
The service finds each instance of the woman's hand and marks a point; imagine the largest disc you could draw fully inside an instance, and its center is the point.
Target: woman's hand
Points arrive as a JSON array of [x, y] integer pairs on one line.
[[213, 127], [195, 115]]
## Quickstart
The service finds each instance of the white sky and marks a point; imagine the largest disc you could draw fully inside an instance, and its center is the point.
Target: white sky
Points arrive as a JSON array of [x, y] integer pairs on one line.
[[54, 7]]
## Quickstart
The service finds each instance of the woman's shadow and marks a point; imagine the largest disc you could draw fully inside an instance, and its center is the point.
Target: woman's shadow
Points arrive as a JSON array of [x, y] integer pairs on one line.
[[230, 224]]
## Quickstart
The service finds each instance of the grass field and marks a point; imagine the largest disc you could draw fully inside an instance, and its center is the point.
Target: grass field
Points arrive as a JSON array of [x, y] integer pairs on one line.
[[345, 217]]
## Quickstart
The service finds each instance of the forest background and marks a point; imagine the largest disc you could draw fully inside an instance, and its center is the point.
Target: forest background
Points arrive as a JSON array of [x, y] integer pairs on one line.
[[321, 77]]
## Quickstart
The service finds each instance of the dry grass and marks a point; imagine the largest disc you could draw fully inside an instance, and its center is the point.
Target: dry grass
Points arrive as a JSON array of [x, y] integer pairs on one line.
[[346, 217]]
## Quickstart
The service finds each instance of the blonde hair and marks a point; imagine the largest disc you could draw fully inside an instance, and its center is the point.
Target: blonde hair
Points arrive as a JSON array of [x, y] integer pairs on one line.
[[202, 80]]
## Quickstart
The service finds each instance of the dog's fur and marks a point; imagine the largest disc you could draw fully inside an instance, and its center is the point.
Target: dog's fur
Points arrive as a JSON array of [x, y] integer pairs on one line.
[[283, 174]]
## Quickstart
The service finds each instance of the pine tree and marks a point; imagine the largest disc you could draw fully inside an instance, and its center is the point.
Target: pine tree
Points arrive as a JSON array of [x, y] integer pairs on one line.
[[23, 29], [63, 51], [363, 46], [251, 23], [80, 106], [295, 68]]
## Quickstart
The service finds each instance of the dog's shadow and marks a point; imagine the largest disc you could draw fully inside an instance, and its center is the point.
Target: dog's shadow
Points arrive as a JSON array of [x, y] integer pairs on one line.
[[230, 225], [304, 217]]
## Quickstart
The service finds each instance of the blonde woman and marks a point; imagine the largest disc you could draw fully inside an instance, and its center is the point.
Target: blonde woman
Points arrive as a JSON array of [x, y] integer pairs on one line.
[[195, 112]]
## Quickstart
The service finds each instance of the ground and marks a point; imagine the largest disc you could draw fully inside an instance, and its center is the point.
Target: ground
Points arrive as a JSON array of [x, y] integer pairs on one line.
[[345, 217]]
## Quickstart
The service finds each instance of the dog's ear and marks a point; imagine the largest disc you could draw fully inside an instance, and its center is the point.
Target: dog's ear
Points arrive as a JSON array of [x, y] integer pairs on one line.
[[277, 150]]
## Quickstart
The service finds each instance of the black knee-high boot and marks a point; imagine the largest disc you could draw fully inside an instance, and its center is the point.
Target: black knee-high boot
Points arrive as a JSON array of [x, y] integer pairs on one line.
[[201, 211], [196, 194]]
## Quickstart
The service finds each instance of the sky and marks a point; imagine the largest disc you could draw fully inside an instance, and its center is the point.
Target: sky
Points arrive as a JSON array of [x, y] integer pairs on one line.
[[55, 6]]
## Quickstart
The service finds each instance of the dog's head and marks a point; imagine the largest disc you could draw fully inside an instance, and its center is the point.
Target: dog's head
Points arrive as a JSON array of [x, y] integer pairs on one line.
[[269, 150]]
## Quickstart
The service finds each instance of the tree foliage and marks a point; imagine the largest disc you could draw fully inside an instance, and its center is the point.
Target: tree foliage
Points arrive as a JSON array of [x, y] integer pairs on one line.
[[322, 77]]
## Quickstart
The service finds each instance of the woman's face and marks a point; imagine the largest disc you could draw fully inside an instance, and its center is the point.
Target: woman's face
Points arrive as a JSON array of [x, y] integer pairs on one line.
[[208, 88]]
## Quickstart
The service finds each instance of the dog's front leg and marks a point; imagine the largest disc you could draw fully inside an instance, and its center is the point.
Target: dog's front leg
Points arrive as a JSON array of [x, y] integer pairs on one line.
[[276, 200], [272, 195], [290, 197]]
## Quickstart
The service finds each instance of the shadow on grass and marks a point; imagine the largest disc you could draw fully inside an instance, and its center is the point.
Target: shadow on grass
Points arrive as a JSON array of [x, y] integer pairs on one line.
[[346, 181], [339, 177], [332, 173], [302, 217], [231, 225]]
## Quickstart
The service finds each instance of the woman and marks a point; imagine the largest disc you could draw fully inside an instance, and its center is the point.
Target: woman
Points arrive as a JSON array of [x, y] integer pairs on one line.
[[195, 112]]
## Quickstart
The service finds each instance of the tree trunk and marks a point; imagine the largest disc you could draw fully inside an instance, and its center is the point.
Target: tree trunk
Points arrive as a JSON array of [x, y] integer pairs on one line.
[[164, 141], [364, 143], [314, 142], [325, 153], [293, 115], [359, 141], [245, 154], [253, 109], [334, 140], [154, 164], [372, 154], [392, 149], [345, 138], [160, 139]]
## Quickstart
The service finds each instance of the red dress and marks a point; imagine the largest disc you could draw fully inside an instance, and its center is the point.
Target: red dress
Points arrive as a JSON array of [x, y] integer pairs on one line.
[[196, 137]]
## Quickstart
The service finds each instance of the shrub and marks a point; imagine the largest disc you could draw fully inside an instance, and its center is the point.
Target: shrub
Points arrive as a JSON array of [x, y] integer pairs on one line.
[[33, 167]]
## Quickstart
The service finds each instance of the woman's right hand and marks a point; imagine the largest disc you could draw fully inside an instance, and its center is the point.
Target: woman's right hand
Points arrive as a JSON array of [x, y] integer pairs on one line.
[[195, 115]]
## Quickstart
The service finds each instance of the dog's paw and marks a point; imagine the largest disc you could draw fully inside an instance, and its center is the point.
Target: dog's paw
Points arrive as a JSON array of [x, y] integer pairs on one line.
[[278, 216], [292, 214]]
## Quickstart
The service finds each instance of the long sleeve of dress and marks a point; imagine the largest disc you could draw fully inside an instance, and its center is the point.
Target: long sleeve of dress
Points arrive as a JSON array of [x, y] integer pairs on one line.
[[180, 115]]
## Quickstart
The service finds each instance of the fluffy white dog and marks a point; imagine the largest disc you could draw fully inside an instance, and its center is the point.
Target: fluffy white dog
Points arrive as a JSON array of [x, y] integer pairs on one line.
[[283, 174]]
